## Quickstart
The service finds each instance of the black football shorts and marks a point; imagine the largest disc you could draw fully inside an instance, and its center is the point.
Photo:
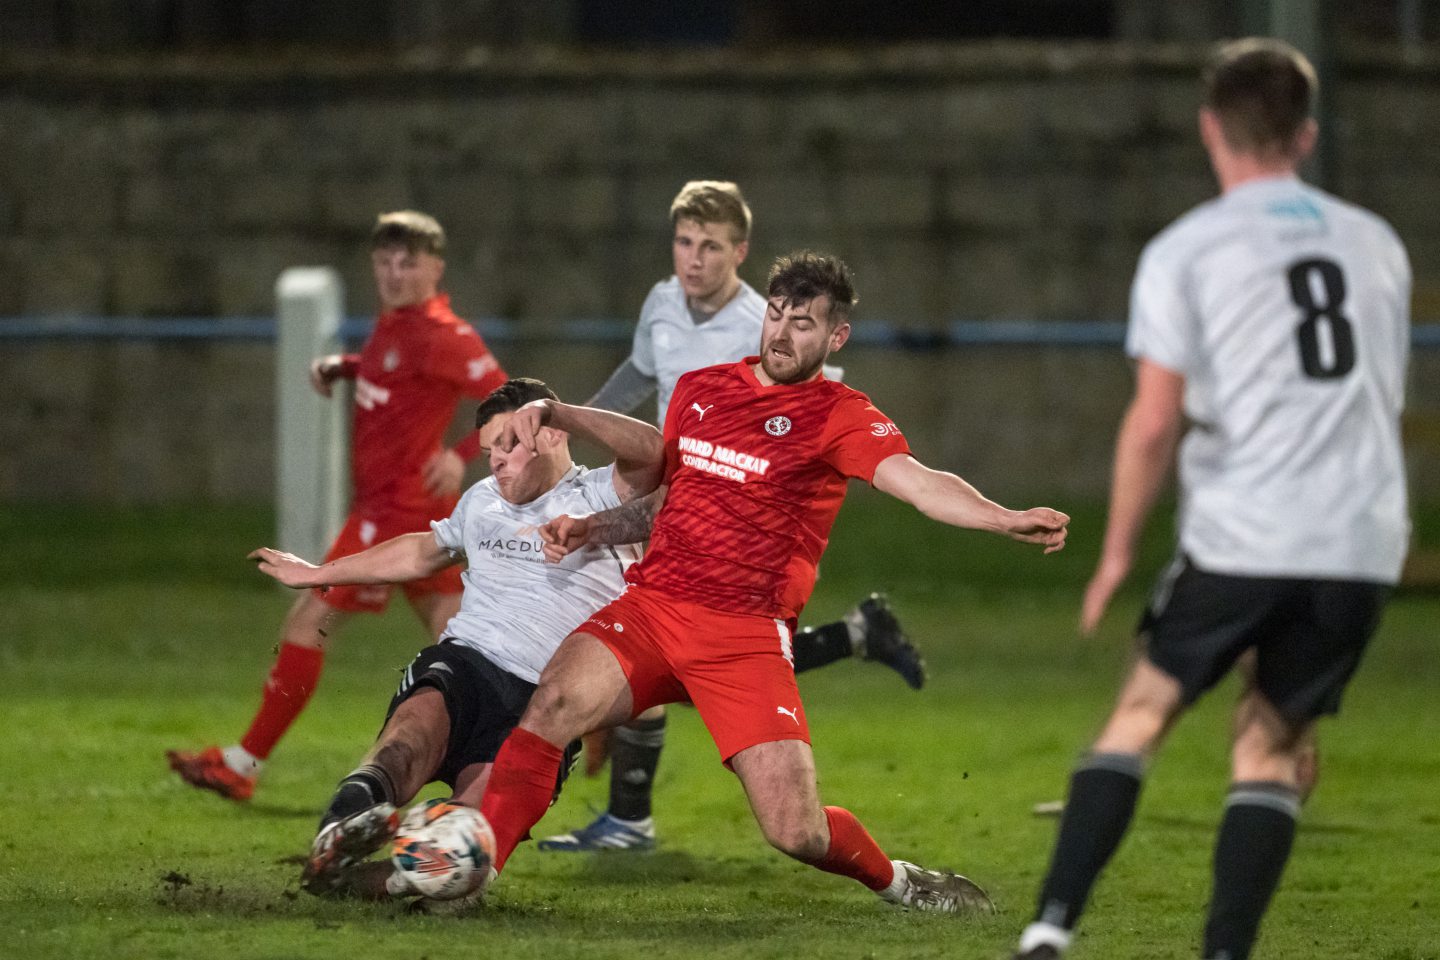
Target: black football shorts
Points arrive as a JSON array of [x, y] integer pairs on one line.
[[1308, 635], [484, 702]]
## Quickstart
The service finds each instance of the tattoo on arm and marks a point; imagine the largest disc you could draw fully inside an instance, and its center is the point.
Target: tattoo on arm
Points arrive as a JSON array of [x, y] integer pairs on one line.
[[628, 523]]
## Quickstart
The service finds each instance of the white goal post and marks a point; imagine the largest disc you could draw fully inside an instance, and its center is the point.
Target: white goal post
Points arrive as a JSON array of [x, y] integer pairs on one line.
[[311, 433]]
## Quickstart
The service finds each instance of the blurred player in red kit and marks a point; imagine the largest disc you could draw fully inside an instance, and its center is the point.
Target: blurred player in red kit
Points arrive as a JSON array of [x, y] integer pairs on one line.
[[416, 365], [757, 457]]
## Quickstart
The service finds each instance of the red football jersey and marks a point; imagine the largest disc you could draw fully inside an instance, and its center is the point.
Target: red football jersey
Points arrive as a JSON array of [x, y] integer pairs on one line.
[[757, 475], [412, 371]]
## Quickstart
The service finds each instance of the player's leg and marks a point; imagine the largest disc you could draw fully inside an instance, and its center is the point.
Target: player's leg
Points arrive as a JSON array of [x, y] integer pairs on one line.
[[437, 692], [1257, 830], [1309, 747], [627, 823], [582, 688], [362, 815], [309, 626], [780, 782], [1103, 792], [869, 631], [1302, 666]]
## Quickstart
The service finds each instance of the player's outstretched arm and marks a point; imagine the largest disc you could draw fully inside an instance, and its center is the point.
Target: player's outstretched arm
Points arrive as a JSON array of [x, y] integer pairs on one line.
[[628, 523], [411, 556], [949, 499], [1144, 453]]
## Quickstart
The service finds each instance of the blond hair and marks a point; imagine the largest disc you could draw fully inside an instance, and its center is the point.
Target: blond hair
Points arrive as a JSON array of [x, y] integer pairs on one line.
[[713, 201], [415, 231]]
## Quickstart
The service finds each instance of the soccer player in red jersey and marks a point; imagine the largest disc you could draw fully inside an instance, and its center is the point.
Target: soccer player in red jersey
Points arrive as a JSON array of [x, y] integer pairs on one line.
[[416, 365], [758, 454]]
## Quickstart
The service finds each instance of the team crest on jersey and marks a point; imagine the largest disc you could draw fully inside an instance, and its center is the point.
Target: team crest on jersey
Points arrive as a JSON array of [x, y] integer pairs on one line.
[[777, 426], [391, 361]]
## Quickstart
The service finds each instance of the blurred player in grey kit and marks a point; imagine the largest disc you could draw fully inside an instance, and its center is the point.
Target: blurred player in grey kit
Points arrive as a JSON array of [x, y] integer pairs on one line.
[[1275, 320]]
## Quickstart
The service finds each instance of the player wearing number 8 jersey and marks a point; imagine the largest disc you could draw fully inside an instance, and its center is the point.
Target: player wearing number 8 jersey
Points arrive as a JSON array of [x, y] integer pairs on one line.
[[757, 455], [1275, 320]]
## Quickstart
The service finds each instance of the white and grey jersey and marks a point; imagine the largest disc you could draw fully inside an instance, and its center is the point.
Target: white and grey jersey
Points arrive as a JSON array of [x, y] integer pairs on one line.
[[669, 343], [1287, 312], [516, 608]]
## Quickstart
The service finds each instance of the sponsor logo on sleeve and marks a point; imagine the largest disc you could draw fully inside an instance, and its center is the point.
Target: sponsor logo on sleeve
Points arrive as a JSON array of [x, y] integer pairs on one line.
[[885, 429]]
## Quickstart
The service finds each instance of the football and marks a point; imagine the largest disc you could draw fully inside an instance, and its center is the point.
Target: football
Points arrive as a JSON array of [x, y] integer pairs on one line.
[[444, 849]]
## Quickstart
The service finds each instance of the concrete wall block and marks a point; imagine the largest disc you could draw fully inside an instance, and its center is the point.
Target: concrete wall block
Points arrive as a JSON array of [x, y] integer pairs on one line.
[[275, 198], [70, 196], [582, 203], [791, 202], [984, 277], [350, 203], [162, 278], [63, 276], [895, 281], [174, 204], [475, 203], [1004, 204], [559, 276], [887, 200], [244, 271]]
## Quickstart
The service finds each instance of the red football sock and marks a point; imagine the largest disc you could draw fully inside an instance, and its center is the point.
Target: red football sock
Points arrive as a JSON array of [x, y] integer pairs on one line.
[[854, 853], [522, 783], [292, 681]]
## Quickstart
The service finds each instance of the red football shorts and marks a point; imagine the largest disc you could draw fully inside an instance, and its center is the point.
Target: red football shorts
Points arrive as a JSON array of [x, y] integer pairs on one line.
[[362, 532], [736, 668]]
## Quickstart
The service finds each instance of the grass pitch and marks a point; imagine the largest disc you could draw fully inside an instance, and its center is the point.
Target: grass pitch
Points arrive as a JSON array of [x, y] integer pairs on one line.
[[127, 633]]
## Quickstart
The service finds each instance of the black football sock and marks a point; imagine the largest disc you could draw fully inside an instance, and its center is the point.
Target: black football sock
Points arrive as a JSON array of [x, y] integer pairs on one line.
[[816, 646], [634, 755], [1255, 837], [1103, 791], [364, 788]]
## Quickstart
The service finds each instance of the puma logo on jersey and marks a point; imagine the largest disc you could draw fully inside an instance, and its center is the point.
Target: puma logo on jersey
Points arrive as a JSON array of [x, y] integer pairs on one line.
[[702, 410], [788, 713]]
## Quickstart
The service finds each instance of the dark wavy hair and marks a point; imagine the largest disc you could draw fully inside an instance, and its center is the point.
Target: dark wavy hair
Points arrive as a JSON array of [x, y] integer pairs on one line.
[[804, 275]]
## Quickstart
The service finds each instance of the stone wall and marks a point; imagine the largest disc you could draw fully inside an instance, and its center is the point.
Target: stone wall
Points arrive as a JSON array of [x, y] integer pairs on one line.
[[975, 182]]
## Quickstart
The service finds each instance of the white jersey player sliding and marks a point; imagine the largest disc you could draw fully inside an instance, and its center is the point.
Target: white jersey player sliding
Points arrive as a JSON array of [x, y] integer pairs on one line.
[[459, 699]]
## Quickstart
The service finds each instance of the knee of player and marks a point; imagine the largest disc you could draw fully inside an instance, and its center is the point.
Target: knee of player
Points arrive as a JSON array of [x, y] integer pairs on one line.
[[551, 709], [802, 841]]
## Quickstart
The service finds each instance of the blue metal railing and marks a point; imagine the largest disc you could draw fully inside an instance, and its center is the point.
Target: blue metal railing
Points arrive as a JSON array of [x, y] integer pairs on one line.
[[987, 333]]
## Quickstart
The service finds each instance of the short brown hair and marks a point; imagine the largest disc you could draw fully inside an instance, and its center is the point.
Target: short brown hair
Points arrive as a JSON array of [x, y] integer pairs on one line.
[[802, 276], [713, 201], [415, 231], [1262, 91]]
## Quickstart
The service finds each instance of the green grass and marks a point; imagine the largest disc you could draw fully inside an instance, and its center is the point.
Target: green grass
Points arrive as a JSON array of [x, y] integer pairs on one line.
[[129, 632]]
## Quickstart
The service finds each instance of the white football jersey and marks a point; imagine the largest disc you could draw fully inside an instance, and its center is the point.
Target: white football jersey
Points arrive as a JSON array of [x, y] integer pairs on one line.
[[516, 608], [1287, 312], [669, 343]]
